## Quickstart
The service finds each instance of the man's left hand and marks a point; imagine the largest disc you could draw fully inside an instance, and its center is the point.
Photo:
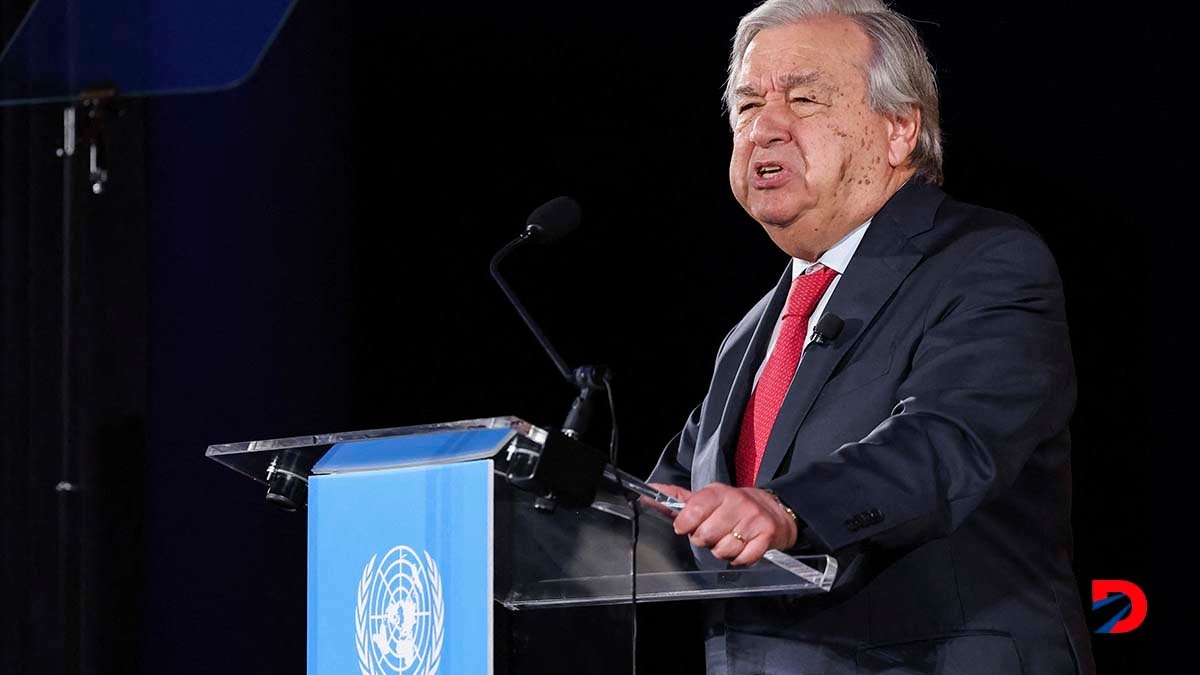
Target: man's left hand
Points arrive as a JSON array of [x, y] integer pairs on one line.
[[737, 524]]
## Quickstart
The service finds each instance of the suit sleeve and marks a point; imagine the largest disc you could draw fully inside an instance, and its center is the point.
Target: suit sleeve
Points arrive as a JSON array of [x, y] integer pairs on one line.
[[989, 381], [675, 465]]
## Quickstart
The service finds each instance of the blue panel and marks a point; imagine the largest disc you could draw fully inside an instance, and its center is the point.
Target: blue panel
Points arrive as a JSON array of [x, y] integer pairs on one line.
[[141, 47], [430, 448], [399, 571]]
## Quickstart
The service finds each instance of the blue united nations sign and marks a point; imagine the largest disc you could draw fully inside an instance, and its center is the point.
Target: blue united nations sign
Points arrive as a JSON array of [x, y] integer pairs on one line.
[[400, 571]]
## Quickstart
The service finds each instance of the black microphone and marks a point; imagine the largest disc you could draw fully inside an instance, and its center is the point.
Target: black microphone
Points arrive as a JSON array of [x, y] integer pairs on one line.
[[548, 223], [553, 220], [828, 328]]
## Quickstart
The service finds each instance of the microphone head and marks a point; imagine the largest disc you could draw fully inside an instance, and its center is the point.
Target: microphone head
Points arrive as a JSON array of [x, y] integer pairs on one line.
[[828, 327], [553, 220]]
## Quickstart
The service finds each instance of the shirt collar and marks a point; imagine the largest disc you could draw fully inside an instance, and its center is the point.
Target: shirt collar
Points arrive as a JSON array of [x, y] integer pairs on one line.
[[838, 256]]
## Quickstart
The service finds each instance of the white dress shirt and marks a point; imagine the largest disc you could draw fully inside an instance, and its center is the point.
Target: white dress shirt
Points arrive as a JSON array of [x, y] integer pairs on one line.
[[836, 258]]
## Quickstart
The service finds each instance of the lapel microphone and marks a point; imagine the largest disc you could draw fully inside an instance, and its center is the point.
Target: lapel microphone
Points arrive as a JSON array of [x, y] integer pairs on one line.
[[827, 329]]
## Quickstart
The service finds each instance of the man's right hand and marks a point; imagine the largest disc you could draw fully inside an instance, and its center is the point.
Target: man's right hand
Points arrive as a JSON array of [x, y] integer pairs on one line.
[[675, 491], [736, 524]]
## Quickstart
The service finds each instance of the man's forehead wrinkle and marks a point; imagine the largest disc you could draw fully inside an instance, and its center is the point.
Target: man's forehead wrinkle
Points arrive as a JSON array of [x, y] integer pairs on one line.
[[785, 81]]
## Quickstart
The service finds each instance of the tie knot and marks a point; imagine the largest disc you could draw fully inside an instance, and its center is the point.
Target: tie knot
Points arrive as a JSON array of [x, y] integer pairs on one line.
[[807, 290]]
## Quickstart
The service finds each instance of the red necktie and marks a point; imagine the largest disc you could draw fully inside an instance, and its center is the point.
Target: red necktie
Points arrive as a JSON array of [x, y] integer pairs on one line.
[[767, 397]]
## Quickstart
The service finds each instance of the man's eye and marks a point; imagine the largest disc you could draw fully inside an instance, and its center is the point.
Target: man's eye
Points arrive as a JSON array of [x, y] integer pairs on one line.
[[802, 99], [746, 106]]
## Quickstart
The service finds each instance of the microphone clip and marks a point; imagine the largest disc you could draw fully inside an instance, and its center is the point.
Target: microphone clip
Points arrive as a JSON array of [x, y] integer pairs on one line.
[[592, 377], [827, 329], [589, 380]]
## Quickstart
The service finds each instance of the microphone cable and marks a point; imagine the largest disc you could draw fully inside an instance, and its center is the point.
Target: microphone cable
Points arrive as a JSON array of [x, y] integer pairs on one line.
[[635, 507], [612, 418], [634, 503]]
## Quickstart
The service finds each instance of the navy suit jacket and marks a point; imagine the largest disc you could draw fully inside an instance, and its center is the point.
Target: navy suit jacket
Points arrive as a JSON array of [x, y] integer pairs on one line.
[[926, 448]]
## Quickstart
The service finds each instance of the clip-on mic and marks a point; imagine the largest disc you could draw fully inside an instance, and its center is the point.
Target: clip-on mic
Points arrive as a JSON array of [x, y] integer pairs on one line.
[[828, 328]]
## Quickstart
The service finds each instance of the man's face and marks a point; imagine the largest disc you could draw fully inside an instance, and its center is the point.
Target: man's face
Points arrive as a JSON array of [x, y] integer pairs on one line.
[[810, 159]]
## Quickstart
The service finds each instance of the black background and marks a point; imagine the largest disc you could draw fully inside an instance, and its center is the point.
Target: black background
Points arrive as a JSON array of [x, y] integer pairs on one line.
[[308, 253]]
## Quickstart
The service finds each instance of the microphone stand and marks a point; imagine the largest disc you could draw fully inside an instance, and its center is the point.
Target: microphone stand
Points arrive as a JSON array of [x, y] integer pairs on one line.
[[588, 380], [494, 267]]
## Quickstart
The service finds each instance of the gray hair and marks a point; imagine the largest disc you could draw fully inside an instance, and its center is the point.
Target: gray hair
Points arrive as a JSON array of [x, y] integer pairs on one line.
[[899, 75]]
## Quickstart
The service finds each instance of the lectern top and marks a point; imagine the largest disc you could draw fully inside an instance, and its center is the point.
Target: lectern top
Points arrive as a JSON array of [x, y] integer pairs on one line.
[[373, 449], [545, 549]]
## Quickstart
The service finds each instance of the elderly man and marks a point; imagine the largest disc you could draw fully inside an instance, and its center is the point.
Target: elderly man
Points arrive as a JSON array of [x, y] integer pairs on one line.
[[926, 443]]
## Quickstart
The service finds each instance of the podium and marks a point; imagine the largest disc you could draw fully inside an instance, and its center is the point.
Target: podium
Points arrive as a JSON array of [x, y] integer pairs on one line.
[[417, 534]]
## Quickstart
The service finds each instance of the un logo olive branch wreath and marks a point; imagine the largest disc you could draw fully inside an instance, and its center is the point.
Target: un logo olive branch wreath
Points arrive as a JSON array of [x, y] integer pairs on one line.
[[437, 616]]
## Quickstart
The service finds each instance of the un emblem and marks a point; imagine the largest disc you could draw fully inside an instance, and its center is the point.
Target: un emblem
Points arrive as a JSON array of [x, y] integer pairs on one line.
[[400, 615]]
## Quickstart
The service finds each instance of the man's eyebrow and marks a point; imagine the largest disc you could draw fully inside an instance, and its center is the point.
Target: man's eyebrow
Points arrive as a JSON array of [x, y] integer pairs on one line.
[[789, 81], [800, 79]]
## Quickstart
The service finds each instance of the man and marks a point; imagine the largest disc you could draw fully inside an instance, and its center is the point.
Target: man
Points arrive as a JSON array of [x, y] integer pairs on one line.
[[925, 444]]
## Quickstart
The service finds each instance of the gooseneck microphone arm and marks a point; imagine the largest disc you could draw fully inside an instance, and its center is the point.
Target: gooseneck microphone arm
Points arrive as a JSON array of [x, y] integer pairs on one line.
[[548, 223], [516, 303]]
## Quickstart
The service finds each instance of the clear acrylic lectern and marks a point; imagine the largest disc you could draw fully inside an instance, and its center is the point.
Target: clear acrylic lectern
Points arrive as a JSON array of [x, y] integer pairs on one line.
[[414, 532]]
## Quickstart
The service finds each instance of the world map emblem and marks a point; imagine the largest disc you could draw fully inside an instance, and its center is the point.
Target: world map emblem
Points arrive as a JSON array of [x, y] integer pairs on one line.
[[400, 615]]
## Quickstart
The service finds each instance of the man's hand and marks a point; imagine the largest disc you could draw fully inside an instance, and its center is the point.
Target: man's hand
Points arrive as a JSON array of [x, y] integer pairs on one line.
[[675, 491], [714, 514]]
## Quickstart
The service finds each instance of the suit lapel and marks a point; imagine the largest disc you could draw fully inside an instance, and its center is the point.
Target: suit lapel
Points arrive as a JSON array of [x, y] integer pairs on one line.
[[752, 351], [883, 259]]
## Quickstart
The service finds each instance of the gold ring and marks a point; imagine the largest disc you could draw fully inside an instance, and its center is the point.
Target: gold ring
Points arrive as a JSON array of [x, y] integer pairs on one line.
[[737, 535]]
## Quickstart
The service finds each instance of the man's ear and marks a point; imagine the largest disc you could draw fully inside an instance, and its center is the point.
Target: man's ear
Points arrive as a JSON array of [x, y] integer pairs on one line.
[[902, 135]]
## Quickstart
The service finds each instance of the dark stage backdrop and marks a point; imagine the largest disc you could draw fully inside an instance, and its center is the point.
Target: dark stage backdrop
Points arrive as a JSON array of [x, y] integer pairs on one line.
[[309, 253]]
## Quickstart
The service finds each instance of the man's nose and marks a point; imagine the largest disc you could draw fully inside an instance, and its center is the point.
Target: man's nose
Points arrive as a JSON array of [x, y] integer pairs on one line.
[[770, 126]]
